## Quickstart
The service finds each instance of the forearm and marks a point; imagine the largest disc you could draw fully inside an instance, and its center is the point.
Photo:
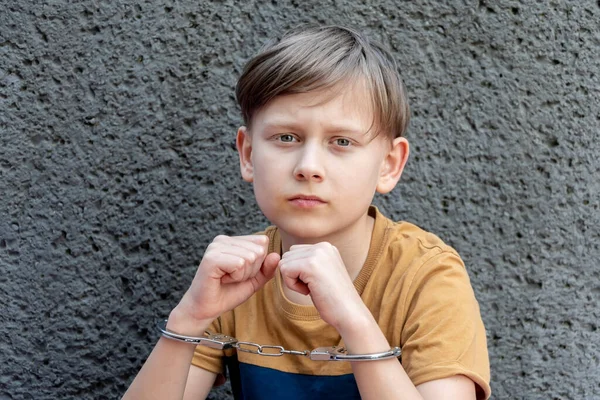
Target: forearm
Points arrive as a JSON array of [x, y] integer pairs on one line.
[[232, 270], [385, 379], [165, 372]]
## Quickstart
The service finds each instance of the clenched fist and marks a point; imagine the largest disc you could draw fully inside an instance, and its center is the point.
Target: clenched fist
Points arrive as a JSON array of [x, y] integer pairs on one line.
[[319, 271], [232, 270]]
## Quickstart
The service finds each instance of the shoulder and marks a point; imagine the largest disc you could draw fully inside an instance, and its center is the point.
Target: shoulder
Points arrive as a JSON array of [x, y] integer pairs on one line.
[[411, 262], [422, 262], [411, 248], [402, 255], [403, 233]]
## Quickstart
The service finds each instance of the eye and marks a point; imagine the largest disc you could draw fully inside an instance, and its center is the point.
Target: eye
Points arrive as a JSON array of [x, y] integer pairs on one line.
[[343, 142], [286, 138]]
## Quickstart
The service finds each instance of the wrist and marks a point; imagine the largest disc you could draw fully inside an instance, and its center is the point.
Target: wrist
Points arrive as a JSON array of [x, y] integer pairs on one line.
[[362, 334], [356, 325], [182, 323], [354, 320]]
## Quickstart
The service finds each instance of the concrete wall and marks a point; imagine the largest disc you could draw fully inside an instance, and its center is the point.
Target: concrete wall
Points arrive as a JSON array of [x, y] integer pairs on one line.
[[117, 167]]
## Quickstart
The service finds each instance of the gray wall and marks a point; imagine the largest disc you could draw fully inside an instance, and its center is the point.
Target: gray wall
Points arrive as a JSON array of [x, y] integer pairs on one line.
[[118, 166]]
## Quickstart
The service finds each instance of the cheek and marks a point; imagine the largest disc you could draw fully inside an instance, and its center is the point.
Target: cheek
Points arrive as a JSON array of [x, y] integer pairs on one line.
[[261, 163], [268, 176], [264, 195], [359, 171]]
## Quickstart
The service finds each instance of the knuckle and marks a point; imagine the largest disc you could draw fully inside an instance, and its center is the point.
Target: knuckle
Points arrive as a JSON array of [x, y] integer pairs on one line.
[[323, 247], [211, 254], [240, 263], [262, 238], [220, 238]]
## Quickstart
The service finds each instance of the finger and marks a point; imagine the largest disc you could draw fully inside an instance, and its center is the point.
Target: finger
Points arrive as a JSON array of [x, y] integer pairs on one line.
[[256, 267], [320, 245], [226, 279], [298, 255], [258, 246], [255, 238], [298, 250], [265, 274], [252, 252], [252, 266], [291, 272], [252, 260], [223, 264], [296, 285], [300, 246], [308, 259], [239, 275], [252, 238], [246, 254], [258, 239], [267, 270]]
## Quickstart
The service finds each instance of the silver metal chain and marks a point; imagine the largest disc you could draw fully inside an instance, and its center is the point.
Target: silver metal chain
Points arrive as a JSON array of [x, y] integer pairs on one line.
[[224, 342], [271, 350]]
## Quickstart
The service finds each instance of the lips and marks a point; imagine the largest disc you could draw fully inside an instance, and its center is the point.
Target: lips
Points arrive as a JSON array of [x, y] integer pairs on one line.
[[306, 201], [305, 197]]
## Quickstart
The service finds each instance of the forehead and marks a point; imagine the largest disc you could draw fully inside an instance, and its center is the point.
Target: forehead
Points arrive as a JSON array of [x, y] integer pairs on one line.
[[343, 107]]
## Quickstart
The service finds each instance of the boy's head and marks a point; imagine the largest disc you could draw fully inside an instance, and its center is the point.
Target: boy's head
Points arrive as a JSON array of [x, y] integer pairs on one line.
[[324, 110], [318, 58]]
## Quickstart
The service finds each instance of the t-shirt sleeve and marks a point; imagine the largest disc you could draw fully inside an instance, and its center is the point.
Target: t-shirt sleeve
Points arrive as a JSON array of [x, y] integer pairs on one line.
[[443, 332], [207, 358]]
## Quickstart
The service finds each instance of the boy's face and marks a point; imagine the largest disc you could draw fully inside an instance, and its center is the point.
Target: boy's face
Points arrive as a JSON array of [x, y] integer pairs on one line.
[[316, 163]]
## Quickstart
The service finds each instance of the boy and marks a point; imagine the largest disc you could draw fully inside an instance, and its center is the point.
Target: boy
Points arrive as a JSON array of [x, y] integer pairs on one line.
[[325, 111]]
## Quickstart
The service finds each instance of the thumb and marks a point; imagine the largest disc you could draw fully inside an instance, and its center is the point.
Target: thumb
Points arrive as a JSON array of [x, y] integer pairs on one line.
[[267, 270]]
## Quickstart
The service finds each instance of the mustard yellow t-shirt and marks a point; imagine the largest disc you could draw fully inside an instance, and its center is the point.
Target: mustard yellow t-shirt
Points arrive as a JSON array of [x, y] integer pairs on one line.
[[415, 286]]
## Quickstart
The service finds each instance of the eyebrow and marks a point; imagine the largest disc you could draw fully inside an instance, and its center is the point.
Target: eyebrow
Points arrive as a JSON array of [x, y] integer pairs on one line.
[[330, 128]]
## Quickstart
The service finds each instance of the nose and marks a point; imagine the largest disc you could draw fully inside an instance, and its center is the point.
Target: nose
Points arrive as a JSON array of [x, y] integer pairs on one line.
[[309, 165]]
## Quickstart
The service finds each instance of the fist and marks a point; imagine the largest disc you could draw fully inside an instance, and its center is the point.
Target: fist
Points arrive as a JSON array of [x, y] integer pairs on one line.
[[319, 271], [232, 270]]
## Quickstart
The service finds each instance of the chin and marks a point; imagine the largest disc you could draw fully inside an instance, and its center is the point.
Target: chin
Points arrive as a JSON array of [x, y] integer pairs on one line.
[[306, 229], [310, 226]]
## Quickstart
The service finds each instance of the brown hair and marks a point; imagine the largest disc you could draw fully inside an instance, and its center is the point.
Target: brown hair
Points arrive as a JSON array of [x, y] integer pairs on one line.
[[316, 58]]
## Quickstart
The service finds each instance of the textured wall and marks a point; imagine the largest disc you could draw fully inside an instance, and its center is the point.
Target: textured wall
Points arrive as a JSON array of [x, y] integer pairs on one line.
[[118, 166]]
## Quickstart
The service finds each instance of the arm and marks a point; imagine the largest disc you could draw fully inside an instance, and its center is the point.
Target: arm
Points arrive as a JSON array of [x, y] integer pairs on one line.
[[199, 383], [334, 295], [166, 372], [387, 379], [232, 270]]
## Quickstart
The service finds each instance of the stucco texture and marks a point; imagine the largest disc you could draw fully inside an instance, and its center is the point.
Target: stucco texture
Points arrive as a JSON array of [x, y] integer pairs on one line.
[[118, 167]]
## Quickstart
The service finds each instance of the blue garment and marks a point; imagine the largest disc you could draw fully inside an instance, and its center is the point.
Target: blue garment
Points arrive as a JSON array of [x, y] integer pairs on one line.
[[251, 382]]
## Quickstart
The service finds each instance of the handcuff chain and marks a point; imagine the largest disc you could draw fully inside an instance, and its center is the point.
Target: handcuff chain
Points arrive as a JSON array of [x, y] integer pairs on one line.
[[255, 348], [224, 342]]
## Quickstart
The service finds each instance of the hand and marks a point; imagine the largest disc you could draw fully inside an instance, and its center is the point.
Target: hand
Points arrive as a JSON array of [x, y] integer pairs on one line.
[[319, 271], [232, 270]]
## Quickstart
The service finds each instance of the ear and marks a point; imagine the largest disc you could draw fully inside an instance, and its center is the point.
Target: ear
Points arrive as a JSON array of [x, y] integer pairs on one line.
[[243, 143], [393, 165]]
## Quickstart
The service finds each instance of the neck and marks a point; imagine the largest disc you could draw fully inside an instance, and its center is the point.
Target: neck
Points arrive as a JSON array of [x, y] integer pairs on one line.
[[353, 243]]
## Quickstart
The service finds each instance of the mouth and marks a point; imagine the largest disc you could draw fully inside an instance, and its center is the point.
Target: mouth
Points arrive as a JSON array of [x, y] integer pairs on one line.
[[306, 201], [305, 197]]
